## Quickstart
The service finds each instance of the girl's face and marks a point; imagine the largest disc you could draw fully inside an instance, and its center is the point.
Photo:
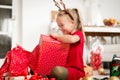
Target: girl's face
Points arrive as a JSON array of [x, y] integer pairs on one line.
[[65, 25]]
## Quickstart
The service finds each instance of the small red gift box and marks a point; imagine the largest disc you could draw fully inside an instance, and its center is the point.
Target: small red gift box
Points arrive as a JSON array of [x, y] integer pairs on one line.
[[51, 53], [16, 62], [19, 62]]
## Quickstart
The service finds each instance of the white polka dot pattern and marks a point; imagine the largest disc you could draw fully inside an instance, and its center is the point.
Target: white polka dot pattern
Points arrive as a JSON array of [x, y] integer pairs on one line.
[[52, 53]]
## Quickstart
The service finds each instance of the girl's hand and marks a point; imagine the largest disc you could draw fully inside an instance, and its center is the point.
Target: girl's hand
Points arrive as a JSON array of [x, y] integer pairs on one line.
[[54, 35]]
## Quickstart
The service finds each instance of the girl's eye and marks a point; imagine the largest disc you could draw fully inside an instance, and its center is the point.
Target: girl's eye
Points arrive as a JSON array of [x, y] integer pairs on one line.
[[61, 26]]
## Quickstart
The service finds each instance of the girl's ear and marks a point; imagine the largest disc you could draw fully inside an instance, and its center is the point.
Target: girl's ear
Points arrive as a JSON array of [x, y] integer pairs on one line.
[[73, 23]]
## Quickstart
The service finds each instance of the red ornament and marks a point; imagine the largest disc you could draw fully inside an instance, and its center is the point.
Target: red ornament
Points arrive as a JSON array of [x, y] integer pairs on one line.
[[95, 60]]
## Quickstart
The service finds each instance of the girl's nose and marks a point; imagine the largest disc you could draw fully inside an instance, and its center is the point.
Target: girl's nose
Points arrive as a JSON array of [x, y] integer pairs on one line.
[[60, 28]]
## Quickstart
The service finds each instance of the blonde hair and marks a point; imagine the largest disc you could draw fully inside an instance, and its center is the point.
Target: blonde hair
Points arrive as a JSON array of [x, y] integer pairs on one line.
[[73, 14]]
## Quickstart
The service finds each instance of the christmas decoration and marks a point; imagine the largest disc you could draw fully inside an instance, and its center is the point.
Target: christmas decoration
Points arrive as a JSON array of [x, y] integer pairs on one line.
[[16, 63], [96, 59], [48, 54], [115, 66]]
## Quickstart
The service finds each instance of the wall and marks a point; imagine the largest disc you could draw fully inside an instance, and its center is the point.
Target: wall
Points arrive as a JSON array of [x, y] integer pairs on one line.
[[16, 22], [36, 16], [109, 8], [36, 19]]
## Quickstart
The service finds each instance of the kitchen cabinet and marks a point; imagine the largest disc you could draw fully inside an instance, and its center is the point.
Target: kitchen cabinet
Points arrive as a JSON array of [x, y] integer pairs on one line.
[[5, 26], [110, 32], [5, 15], [103, 31]]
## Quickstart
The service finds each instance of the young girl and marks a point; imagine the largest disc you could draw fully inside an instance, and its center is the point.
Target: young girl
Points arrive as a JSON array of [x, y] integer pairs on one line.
[[70, 24]]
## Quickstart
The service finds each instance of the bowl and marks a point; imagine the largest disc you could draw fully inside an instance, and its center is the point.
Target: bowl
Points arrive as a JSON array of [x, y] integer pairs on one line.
[[109, 22]]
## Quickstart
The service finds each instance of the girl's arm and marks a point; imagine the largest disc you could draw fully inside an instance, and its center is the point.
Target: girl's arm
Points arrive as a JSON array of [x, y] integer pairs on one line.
[[66, 38]]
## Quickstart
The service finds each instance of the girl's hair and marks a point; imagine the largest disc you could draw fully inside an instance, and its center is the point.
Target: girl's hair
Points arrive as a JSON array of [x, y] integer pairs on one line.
[[73, 14]]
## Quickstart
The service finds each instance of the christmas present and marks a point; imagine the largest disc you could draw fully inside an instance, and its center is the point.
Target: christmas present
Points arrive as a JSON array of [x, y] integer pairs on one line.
[[29, 77], [115, 66], [51, 53], [17, 78], [16, 62], [33, 58]]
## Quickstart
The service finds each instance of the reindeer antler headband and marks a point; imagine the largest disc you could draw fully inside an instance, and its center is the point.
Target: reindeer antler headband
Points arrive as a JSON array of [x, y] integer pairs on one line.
[[58, 4]]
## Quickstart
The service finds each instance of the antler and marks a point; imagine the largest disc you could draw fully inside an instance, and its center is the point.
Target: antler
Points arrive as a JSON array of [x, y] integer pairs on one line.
[[58, 5], [63, 4]]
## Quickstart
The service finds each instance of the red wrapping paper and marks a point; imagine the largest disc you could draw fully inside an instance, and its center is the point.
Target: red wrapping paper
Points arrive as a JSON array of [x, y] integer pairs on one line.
[[33, 58], [16, 62], [51, 53], [19, 62]]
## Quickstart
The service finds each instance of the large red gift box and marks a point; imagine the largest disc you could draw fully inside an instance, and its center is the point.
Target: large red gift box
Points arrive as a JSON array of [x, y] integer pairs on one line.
[[49, 53]]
